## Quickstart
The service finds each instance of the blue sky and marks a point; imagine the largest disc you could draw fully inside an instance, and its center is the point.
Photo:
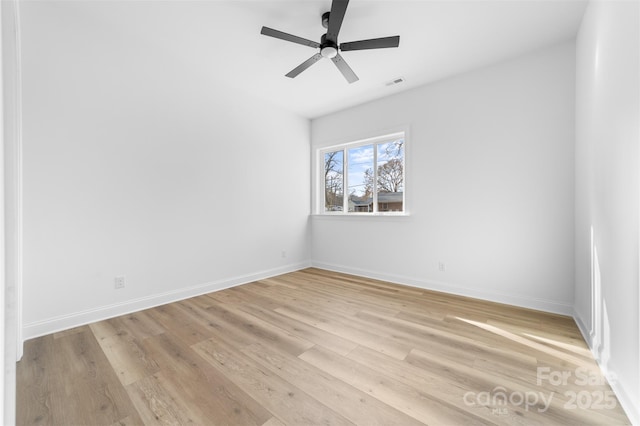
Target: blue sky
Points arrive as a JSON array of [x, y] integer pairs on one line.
[[360, 159]]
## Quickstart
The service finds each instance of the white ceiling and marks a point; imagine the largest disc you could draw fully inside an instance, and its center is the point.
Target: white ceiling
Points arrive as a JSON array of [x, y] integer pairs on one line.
[[222, 40]]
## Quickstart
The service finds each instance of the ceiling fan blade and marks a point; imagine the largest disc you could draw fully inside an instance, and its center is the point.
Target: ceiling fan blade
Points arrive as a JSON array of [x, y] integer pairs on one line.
[[374, 43], [338, 9], [345, 69], [288, 37], [303, 66]]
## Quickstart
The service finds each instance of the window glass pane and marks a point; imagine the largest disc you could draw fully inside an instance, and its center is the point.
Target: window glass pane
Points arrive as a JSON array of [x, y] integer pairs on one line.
[[360, 179], [391, 176], [333, 181]]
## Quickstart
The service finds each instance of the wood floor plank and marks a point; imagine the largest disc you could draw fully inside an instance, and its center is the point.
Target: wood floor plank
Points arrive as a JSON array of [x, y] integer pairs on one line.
[[172, 317], [140, 325], [450, 392], [245, 328], [360, 299], [128, 421], [273, 421], [328, 292], [212, 397], [366, 338], [442, 302], [353, 404], [315, 347], [156, 405], [127, 357], [80, 388], [305, 300], [405, 398], [64, 333], [463, 346], [487, 382], [309, 333], [33, 376], [95, 391], [285, 401]]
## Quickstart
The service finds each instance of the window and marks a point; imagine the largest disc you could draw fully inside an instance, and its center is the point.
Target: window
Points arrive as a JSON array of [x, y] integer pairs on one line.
[[365, 177]]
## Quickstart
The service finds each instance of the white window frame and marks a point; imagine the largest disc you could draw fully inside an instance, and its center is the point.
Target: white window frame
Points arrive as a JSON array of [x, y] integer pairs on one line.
[[376, 140]]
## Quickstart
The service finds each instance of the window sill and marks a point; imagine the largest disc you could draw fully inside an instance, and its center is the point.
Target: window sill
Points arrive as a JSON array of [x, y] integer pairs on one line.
[[357, 216]]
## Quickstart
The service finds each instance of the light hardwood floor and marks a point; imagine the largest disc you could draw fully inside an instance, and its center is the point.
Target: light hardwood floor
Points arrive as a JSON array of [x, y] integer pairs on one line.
[[316, 348]]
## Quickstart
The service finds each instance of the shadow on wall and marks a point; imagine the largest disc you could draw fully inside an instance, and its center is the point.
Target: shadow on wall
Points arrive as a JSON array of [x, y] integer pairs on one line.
[[600, 329]]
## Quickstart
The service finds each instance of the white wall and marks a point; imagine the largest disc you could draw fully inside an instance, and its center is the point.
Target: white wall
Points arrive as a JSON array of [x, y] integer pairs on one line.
[[490, 185], [3, 290], [9, 337], [607, 187], [139, 163]]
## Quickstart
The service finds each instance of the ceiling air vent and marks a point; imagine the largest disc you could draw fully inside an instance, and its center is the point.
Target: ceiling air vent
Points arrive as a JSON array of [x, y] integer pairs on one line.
[[395, 81]]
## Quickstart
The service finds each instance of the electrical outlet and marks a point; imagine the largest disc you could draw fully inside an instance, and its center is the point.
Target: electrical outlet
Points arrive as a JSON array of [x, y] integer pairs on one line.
[[441, 266], [284, 254], [118, 282]]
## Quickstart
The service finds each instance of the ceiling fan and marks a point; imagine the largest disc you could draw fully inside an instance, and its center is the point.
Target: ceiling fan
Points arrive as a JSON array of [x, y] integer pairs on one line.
[[329, 47]]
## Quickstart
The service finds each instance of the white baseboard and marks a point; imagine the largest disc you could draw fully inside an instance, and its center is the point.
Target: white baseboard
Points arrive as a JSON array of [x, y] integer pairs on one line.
[[629, 405], [586, 335], [516, 300], [65, 322]]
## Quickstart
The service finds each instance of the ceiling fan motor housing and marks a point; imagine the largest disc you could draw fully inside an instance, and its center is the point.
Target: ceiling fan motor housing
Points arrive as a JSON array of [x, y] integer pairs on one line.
[[328, 48]]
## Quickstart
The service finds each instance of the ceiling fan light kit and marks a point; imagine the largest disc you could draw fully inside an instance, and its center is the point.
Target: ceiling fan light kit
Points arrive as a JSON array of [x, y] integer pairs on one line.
[[329, 52], [329, 47]]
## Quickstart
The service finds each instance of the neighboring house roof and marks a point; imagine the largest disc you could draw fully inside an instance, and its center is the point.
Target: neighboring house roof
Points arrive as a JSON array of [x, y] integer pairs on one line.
[[390, 197], [360, 202], [383, 197]]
